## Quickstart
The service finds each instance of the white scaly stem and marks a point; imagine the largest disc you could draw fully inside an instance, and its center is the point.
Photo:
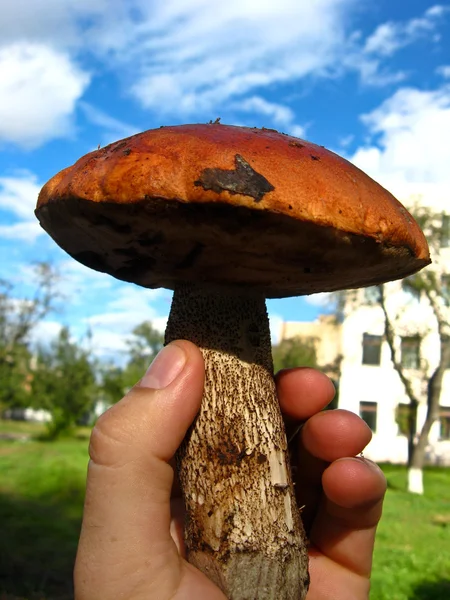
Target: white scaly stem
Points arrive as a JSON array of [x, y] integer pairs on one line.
[[243, 528]]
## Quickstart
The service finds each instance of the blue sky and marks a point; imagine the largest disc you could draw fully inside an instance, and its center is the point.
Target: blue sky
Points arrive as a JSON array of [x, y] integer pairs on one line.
[[369, 80]]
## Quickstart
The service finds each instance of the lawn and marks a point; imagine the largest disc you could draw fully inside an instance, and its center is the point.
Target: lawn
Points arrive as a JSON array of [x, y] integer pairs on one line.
[[41, 498]]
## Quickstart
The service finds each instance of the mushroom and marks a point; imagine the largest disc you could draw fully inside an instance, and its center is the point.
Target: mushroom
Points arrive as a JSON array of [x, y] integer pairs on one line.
[[227, 217]]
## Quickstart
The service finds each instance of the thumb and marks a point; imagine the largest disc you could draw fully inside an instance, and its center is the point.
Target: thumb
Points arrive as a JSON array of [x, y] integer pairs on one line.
[[125, 538]]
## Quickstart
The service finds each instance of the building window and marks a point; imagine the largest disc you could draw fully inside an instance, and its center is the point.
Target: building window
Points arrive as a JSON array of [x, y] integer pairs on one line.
[[410, 349], [402, 418], [444, 422], [368, 413], [371, 349], [445, 286], [445, 231]]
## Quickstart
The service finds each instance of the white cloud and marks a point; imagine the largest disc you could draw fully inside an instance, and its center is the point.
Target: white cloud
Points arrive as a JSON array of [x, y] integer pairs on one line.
[[410, 153], [443, 71], [54, 21], [183, 57], [393, 35], [24, 232], [122, 316], [281, 115], [322, 299], [160, 323], [384, 40], [346, 140], [39, 88], [180, 57], [437, 10], [45, 331], [372, 71], [198, 54], [113, 128], [371, 58], [77, 280], [297, 130], [123, 310], [18, 195]]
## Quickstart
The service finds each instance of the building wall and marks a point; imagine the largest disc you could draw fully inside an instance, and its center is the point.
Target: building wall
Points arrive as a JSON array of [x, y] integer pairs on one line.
[[325, 333], [380, 384]]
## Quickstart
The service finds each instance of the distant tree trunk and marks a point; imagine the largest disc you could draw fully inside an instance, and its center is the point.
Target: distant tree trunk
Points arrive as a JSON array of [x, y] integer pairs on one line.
[[418, 450], [418, 441]]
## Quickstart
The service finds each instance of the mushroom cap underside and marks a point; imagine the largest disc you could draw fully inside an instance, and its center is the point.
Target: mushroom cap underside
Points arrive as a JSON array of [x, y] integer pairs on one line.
[[230, 206]]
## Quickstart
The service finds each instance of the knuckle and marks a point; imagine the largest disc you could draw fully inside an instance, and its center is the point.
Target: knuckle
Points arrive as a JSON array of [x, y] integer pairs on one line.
[[109, 438]]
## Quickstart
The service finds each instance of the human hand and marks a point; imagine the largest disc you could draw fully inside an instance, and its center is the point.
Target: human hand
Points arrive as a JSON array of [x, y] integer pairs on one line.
[[131, 543]]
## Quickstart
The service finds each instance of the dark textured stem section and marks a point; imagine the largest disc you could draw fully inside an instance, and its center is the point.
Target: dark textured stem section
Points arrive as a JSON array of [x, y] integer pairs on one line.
[[243, 528]]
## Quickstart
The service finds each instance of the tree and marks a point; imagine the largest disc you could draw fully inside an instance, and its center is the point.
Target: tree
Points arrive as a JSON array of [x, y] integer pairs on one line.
[[294, 352], [421, 374], [143, 346], [301, 351], [18, 318], [63, 383]]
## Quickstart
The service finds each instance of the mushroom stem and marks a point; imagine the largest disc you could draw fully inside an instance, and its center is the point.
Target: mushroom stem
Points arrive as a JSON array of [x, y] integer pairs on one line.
[[243, 528]]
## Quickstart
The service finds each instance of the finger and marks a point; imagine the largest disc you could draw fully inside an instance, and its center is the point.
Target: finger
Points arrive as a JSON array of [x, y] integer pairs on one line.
[[330, 435], [325, 437], [125, 537], [303, 392], [344, 529]]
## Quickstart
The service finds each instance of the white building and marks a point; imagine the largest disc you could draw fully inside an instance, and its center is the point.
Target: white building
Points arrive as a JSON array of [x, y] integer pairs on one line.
[[368, 383]]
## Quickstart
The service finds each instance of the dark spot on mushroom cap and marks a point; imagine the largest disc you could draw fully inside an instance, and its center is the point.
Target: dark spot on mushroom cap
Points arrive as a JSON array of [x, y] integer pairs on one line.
[[242, 180]]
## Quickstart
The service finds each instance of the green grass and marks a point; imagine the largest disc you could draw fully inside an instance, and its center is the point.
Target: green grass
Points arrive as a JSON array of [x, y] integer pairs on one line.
[[412, 554], [41, 500], [19, 428]]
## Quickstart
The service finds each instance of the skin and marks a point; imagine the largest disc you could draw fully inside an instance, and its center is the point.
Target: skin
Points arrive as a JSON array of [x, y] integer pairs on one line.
[[131, 540]]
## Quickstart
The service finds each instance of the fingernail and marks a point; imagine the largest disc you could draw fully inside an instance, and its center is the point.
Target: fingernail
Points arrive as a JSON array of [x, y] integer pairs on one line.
[[165, 368]]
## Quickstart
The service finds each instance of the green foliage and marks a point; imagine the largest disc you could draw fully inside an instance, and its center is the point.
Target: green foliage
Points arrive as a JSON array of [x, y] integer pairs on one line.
[[294, 352], [143, 346], [63, 382], [18, 317], [14, 376]]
